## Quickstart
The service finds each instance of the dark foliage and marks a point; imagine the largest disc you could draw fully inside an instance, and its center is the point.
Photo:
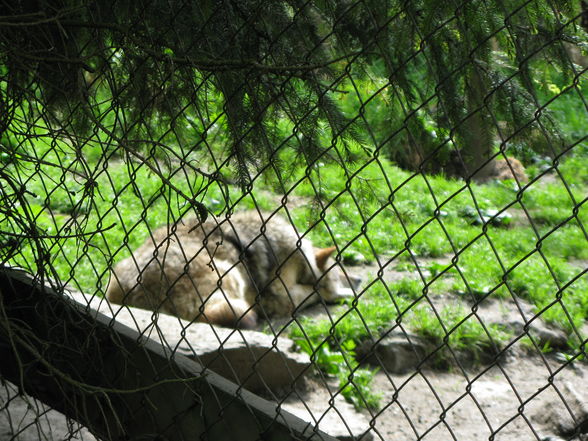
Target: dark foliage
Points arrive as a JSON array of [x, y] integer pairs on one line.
[[267, 60]]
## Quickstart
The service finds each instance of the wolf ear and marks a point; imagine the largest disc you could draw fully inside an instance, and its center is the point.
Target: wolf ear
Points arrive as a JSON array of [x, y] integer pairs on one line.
[[321, 256]]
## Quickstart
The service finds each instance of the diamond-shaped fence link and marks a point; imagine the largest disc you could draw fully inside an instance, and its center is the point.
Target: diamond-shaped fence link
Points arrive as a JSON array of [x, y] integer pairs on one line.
[[293, 220]]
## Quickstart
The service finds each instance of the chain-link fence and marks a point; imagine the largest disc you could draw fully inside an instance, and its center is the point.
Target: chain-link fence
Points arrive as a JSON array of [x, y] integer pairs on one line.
[[293, 220]]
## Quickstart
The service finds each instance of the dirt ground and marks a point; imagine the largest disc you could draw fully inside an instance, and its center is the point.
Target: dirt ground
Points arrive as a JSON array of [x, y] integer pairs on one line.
[[508, 402], [524, 398], [25, 419]]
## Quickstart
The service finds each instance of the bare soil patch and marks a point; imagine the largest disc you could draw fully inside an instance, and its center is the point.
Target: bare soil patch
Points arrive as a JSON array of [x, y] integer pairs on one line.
[[504, 402]]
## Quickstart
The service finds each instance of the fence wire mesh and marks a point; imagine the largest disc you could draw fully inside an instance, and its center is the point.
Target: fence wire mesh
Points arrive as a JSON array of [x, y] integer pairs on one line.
[[366, 214]]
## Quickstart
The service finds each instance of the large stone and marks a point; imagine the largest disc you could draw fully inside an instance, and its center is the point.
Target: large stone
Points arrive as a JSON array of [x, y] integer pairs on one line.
[[517, 315], [259, 362], [397, 353], [549, 336]]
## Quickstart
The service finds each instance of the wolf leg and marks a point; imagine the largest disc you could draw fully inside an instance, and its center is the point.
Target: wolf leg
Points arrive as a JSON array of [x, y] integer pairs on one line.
[[224, 311]]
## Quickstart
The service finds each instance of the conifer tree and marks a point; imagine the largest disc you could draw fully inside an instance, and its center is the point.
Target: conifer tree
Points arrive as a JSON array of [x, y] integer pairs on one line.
[[468, 68]]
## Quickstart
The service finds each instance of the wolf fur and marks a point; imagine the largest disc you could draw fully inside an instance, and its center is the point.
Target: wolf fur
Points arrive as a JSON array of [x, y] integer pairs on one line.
[[495, 169], [226, 272], [508, 168], [502, 169]]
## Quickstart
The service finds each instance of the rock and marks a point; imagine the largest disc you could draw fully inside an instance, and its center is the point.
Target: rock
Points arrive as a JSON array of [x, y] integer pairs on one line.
[[569, 419], [513, 314], [260, 362], [548, 336], [397, 353], [253, 359]]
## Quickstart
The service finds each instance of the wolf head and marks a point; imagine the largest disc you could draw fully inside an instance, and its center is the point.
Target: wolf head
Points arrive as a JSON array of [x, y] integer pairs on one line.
[[333, 282]]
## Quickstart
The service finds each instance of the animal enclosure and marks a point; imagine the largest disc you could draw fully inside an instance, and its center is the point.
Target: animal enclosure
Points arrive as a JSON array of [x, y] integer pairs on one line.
[[294, 220]]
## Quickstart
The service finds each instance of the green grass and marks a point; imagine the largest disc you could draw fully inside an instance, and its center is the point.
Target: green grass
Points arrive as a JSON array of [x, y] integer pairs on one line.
[[331, 342], [457, 329]]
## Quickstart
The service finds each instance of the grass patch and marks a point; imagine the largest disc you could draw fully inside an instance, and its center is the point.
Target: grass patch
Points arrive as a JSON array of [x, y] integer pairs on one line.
[[457, 329], [331, 343]]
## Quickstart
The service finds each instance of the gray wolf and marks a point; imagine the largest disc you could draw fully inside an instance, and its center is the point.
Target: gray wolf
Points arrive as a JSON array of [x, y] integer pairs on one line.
[[228, 271], [507, 168]]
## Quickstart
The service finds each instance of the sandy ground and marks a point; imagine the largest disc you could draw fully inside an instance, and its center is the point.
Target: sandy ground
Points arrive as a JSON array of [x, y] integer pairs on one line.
[[522, 399], [507, 402]]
